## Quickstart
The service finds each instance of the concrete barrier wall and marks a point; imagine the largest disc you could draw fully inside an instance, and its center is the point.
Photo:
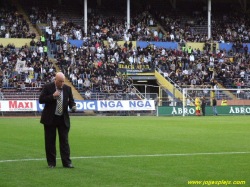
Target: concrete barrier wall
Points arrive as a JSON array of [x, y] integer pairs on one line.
[[19, 42]]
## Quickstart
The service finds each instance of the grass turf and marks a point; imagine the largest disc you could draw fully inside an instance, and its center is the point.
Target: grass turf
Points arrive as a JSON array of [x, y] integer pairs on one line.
[[93, 138]]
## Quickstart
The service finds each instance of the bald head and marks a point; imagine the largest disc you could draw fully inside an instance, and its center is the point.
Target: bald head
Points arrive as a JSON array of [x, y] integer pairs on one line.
[[59, 80], [60, 75]]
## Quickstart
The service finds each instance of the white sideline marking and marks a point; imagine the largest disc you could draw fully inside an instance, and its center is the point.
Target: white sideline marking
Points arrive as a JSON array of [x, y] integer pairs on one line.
[[127, 156]]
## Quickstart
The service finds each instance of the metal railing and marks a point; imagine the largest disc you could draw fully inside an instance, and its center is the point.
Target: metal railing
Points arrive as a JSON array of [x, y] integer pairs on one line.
[[19, 95], [172, 82], [119, 96], [138, 93]]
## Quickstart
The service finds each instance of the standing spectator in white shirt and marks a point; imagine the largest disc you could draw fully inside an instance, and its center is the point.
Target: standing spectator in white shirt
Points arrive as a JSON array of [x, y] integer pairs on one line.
[[7, 35], [191, 58], [80, 83], [54, 23], [172, 37], [74, 79], [242, 75], [86, 84], [163, 51], [41, 50], [112, 45], [211, 61], [116, 80], [151, 22]]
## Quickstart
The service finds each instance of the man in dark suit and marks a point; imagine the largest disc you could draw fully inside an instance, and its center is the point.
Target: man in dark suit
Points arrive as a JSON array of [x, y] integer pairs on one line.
[[57, 97], [203, 106]]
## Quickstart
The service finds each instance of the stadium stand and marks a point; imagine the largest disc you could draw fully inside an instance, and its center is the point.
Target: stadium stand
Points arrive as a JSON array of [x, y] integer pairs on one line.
[[93, 66]]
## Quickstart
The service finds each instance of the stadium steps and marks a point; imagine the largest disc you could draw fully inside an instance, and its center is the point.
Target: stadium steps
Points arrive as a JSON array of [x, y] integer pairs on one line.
[[228, 93], [167, 85], [21, 11]]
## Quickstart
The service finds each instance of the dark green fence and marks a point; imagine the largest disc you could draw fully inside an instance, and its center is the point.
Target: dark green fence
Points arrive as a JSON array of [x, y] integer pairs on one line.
[[190, 111]]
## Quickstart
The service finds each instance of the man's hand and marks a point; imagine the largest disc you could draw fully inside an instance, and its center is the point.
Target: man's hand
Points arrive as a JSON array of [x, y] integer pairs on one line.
[[56, 94], [73, 109]]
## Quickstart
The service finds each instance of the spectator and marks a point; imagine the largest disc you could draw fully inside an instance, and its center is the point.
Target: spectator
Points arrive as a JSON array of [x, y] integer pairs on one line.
[[88, 95], [5, 82], [28, 81], [80, 83], [215, 106], [23, 88], [86, 84]]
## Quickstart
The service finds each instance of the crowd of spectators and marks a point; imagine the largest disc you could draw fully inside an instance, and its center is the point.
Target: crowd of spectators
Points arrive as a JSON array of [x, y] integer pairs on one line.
[[100, 26], [39, 69], [87, 77], [195, 68], [183, 67], [41, 14], [89, 70], [227, 27], [201, 68], [13, 24]]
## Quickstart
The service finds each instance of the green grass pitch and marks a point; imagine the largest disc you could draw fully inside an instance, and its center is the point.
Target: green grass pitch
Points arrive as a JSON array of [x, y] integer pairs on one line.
[[129, 151]]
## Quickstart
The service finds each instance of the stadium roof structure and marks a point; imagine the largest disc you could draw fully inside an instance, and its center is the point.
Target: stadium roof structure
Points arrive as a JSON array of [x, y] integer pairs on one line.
[[244, 4]]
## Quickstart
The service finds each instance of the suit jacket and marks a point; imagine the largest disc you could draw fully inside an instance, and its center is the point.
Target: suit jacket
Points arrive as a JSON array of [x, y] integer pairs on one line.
[[47, 98]]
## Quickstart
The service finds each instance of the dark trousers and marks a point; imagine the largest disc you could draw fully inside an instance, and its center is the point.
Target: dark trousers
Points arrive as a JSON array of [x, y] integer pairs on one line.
[[50, 141], [203, 111]]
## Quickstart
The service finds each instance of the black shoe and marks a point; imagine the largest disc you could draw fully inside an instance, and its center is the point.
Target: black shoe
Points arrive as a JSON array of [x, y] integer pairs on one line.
[[51, 166], [69, 166]]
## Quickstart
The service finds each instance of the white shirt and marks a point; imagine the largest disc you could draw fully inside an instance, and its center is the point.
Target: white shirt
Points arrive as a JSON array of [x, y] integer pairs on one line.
[[131, 59], [155, 33], [151, 22], [34, 54], [2, 27], [86, 83], [116, 80], [7, 35], [54, 23], [172, 36], [28, 80], [163, 52], [77, 32], [40, 49], [112, 45], [49, 31], [185, 72], [110, 40], [191, 58], [126, 38], [5, 59], [242, 74], [165, 74], [74, 77], [80, 81], [87, 94]]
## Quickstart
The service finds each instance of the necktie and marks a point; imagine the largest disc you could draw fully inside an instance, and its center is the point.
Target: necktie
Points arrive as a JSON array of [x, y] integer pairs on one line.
[[59, 104]]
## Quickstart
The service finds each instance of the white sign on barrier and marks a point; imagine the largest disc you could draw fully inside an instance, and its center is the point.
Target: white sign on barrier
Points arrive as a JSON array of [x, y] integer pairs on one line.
[[125, 105], [18, 105], [106, 105]]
